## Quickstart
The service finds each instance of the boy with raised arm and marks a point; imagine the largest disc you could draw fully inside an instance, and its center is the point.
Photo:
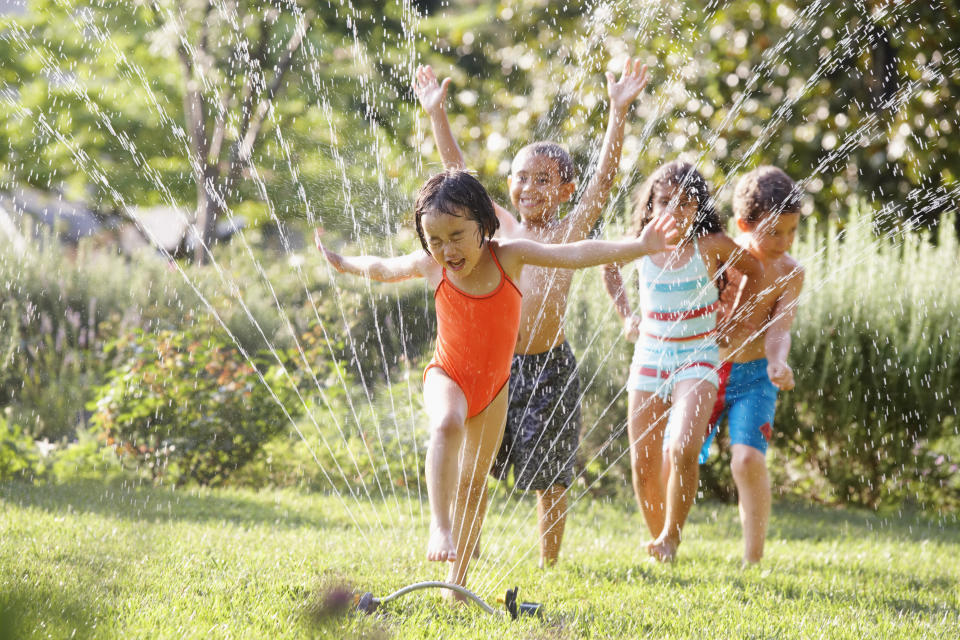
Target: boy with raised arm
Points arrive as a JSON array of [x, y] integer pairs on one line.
[[543, 421]]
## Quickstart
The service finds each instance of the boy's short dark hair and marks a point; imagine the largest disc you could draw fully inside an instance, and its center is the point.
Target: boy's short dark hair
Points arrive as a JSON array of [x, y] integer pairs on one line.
[[565, 166], [763, 191], [456, 193]]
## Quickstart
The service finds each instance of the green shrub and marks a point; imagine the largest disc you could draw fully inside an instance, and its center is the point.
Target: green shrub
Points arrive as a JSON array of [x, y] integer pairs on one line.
[[877, 356], [19, 457], [350, 442], [186, 405]]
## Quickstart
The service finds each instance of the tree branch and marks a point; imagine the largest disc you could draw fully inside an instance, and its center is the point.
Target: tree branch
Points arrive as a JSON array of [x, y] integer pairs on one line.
[[244, 148]]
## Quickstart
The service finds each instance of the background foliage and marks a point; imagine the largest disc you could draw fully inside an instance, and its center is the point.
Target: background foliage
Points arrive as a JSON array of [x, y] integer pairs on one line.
[[855, 100]]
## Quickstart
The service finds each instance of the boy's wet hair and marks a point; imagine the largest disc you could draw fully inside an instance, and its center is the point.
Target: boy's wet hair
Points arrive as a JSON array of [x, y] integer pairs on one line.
[[456, 193], [763, 191], [683, 175], [565, 167]]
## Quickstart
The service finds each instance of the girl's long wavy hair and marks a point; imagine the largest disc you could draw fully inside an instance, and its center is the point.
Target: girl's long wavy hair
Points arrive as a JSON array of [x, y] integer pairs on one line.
[[682, 175]]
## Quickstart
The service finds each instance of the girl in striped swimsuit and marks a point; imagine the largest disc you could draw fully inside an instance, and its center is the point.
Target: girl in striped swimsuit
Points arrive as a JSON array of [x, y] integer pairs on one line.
[[673, 376]]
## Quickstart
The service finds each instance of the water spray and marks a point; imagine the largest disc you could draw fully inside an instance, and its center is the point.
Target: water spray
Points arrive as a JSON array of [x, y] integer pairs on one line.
[[368, 603]]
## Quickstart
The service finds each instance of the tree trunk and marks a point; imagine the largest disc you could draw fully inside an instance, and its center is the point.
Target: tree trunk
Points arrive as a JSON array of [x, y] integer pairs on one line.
[[208, 211]]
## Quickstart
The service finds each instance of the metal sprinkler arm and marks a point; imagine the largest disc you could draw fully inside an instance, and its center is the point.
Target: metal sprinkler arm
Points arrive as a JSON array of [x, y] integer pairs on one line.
[[442, 585], [368, 603]]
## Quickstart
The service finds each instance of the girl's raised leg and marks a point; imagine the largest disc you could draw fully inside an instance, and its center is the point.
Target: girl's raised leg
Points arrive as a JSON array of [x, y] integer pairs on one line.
[[446, 408], [693, 401], [646, 422], [482, 438]]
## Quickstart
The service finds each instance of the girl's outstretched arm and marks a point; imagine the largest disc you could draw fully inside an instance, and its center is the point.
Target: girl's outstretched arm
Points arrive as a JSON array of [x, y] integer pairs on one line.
[[413, 265], [656, 237]]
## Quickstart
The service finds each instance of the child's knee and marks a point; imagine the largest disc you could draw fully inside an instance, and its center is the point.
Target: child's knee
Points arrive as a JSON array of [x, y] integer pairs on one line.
[[746, 462], [447, 426], [643, 466], [684, 454]]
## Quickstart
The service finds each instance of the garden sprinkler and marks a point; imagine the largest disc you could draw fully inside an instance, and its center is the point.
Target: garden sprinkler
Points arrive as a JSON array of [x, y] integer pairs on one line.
[[368, 603]]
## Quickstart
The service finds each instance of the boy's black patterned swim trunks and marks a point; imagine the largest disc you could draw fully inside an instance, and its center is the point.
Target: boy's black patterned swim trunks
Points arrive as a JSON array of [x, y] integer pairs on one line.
[[543, 421]]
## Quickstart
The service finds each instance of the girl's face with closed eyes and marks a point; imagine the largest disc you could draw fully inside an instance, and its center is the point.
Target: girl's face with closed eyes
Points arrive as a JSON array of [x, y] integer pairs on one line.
[[453, 240]]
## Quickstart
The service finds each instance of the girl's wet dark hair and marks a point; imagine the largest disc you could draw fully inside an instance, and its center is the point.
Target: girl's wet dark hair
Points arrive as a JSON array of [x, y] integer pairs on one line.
[[456, 193], [683, 175]]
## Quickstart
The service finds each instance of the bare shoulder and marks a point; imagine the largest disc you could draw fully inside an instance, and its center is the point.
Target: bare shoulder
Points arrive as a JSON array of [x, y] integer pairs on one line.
[[790, 270], [716, 242], [428, 267], [510, 253], [715, 248]]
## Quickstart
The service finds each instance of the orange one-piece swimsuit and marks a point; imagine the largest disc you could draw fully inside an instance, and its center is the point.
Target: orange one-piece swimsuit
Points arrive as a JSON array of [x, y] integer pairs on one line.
[[476, 338]]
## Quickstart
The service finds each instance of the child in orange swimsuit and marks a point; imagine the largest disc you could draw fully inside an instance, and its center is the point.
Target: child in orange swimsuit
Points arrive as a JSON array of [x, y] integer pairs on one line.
[[478, 315]]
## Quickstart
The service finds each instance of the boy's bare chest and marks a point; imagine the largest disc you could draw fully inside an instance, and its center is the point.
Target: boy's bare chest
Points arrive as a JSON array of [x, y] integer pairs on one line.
[[760, 297], [541, 285]]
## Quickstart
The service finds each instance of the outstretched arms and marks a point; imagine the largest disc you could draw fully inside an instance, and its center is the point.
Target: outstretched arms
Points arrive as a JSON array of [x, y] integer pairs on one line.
[[412, 265], [656, 237], [622, 93]]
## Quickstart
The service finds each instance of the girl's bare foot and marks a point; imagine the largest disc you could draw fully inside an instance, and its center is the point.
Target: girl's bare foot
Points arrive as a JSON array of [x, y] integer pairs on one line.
[[453, 597], [440, 548], [664, 548]]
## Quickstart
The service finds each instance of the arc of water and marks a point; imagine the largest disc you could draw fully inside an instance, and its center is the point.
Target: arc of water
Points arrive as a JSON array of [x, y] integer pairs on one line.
[[92, 168], [243, 52], [100, 177], [242, 48]]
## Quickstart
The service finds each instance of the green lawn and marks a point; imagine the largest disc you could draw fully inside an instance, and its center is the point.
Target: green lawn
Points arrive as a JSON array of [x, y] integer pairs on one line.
[[99, 561]]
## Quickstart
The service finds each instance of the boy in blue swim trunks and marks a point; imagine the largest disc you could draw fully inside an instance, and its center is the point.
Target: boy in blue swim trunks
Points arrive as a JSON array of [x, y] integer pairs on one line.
[[755, 340]]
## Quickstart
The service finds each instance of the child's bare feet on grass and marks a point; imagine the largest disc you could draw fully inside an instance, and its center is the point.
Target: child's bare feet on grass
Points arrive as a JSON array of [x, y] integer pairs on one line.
[[664, 548], [452, 597], [440, 548]]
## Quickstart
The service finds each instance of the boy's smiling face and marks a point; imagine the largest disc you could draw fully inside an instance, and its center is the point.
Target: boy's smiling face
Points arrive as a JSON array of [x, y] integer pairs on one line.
[[536, 188]]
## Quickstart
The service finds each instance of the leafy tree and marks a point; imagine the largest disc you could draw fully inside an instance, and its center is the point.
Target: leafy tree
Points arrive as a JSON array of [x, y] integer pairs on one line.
[[302, 108], [855, 99], [232, 101]]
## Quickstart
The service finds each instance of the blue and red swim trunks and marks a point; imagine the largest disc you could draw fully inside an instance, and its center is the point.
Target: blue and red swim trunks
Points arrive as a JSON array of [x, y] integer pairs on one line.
[[749, 400]]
